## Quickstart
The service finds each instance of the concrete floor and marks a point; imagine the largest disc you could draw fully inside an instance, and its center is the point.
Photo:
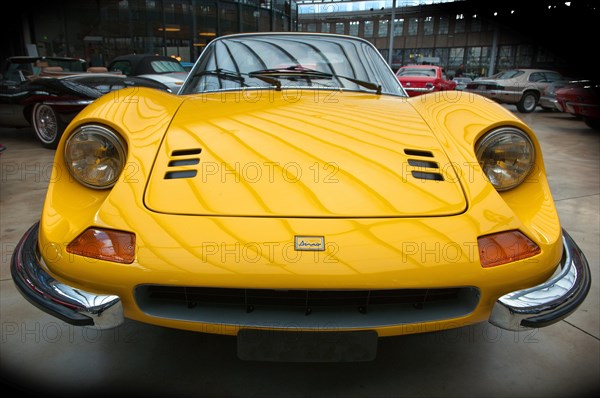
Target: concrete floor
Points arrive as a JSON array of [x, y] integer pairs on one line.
[[40, 353]]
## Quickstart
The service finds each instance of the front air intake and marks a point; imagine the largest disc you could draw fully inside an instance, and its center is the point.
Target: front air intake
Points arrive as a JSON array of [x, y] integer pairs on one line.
[[301, 308]]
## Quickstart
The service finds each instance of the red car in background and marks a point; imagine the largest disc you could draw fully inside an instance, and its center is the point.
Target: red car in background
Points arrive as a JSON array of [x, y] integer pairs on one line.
[[581, 100], [422, 79]]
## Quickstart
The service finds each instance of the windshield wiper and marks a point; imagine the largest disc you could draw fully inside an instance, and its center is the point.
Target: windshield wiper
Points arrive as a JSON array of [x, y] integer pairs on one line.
[[222, 73], [267, 79], [227, 74], [300, 71]]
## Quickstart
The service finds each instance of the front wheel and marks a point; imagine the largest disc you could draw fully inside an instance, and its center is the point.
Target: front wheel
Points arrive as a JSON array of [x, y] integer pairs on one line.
[[528, 102], [592, 123], [47, 125]]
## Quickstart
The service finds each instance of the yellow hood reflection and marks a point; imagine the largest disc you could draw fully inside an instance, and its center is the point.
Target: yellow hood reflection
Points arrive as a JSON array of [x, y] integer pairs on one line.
[[301, 155]]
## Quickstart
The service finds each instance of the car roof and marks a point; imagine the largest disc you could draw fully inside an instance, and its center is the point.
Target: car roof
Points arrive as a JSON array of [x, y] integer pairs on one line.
[[421, 66], [274, 34], [140, 63], [532, 70]]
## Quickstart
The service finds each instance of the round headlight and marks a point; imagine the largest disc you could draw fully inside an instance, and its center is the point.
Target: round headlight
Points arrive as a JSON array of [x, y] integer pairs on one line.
[[95, 156], [506, 156]]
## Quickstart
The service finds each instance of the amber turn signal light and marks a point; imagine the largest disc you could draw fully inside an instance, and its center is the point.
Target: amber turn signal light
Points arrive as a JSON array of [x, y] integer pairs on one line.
[[505, 247], [105, 244]]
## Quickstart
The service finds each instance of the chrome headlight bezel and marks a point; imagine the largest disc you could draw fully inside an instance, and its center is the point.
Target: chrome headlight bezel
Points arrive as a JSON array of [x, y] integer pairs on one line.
[[506, 156], [95, 156]]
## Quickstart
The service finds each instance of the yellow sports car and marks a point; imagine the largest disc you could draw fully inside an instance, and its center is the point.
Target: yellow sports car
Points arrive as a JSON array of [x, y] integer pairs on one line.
[[292, 189]]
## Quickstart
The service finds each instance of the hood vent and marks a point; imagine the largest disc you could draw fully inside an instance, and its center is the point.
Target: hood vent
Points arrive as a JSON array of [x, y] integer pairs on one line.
[[423, 169], [179, 163], [418, 152]]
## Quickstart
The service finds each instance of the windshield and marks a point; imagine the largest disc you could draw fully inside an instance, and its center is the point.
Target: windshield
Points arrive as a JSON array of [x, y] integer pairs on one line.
[[30, 66], [163, 66], [291, 60], [416, 72], [509, 74]]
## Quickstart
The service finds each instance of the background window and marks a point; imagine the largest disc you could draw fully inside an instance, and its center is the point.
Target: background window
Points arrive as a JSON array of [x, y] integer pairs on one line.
[[443, 26], [475, 24], [368, 28], [428, 26], [505, 57], [383, 28], [413, 26], [459, 24], [524, 56], [443, 54], [398, 27], [457, 55]]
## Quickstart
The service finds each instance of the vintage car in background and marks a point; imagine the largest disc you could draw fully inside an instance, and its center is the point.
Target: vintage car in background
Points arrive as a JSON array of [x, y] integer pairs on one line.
[[461, 82], [581, 99], [548, 100], [421, 79], [46, 93], [187, 65], [521, 87], [18, 68], [166, 70], [292, 187]]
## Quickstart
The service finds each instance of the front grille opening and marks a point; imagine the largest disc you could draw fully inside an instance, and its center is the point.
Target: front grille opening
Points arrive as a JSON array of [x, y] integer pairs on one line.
[[305, 308], [296, 298]]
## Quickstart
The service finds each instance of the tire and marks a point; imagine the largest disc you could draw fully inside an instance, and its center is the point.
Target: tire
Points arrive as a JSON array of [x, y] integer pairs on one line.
[[47, 125], [528, 102], [592, 123]]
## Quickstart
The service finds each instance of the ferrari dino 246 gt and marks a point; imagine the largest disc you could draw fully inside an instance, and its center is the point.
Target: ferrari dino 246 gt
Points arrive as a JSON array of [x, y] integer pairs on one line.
[[292, 186]]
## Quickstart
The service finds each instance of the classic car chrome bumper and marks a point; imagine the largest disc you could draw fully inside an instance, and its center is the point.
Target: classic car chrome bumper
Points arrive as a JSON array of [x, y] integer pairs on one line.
[[549, 103], [538, 306], [72, 305], [551, 301], [420, 89]]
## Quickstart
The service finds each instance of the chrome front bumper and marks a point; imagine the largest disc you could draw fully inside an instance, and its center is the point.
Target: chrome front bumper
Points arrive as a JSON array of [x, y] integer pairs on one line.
[[535, 307], [72, 305], [551, 301], [421, 90]]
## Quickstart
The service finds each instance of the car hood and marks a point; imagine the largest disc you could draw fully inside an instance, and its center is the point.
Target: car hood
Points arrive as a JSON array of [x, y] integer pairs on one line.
[[302, 154]]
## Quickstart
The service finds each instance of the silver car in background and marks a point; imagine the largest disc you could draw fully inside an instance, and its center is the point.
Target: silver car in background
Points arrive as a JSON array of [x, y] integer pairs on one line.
[[522, 87]]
